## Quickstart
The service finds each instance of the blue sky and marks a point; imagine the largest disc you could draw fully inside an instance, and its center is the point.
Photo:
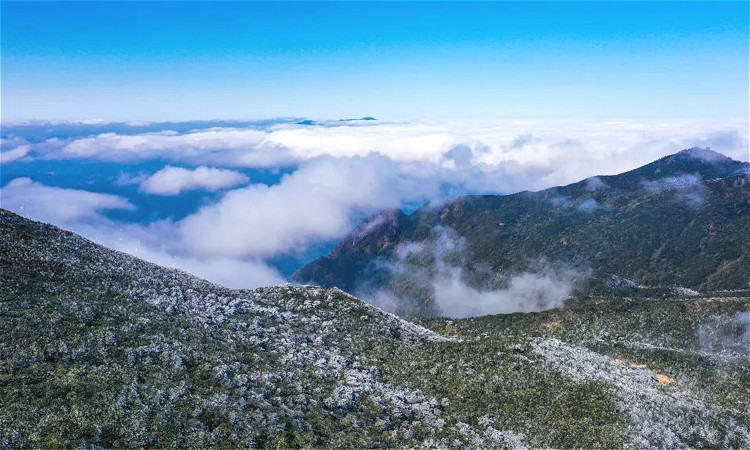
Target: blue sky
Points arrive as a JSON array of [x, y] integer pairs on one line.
[[185, 61]]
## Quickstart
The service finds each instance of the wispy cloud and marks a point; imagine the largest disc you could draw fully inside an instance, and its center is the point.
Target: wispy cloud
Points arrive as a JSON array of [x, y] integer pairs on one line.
[[12, 149], [437, 270], [528, 291], [688, 188], [594, 184], [15, 153]]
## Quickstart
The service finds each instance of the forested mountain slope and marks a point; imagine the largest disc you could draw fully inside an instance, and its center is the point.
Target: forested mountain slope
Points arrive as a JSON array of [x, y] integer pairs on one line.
[[681, 221], [100, 348]]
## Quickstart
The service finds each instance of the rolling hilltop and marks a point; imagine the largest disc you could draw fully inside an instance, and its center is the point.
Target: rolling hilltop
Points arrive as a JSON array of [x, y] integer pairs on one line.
[[99, 348], [679, 222]]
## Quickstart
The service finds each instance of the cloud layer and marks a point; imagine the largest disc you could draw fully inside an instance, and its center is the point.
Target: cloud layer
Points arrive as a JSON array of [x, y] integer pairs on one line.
[[338, 172], [585, 148]]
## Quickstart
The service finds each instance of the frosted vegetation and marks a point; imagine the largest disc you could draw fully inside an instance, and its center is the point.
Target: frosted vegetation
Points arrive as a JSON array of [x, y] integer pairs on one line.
[[102, 349]]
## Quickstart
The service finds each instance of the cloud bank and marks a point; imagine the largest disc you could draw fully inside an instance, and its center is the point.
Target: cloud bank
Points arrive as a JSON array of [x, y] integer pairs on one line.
[[337, 173], [539, 154]]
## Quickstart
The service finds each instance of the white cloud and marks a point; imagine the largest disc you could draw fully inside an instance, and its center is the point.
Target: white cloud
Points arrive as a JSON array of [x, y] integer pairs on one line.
[[173, 180], [180, 146], [159, 243], [312, 204], [525, 292], [398, 142], [13, 154], [588, 205], [438, 266], [346, 170], [79, 211], [13, 148], [688, 188], [595, 184], [57, 205], [226, 271]]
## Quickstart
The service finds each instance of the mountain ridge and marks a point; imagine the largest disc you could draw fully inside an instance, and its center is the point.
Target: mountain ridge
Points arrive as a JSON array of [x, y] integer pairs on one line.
[[681, 220]]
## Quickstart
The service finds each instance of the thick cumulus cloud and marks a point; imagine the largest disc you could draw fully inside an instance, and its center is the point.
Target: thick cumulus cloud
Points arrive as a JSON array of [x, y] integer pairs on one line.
[[173, 180], [315, 203]]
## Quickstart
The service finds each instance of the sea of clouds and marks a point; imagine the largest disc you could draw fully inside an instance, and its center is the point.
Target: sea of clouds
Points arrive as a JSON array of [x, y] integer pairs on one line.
[[252, 193]]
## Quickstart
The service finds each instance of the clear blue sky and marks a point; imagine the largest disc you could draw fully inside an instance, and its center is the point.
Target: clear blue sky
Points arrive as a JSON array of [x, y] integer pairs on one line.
[[175, 61]]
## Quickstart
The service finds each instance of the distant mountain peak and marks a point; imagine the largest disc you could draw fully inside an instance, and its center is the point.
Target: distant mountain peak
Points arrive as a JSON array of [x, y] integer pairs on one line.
[[310, 122], [706, 163], [355, 120], [704, 154]]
